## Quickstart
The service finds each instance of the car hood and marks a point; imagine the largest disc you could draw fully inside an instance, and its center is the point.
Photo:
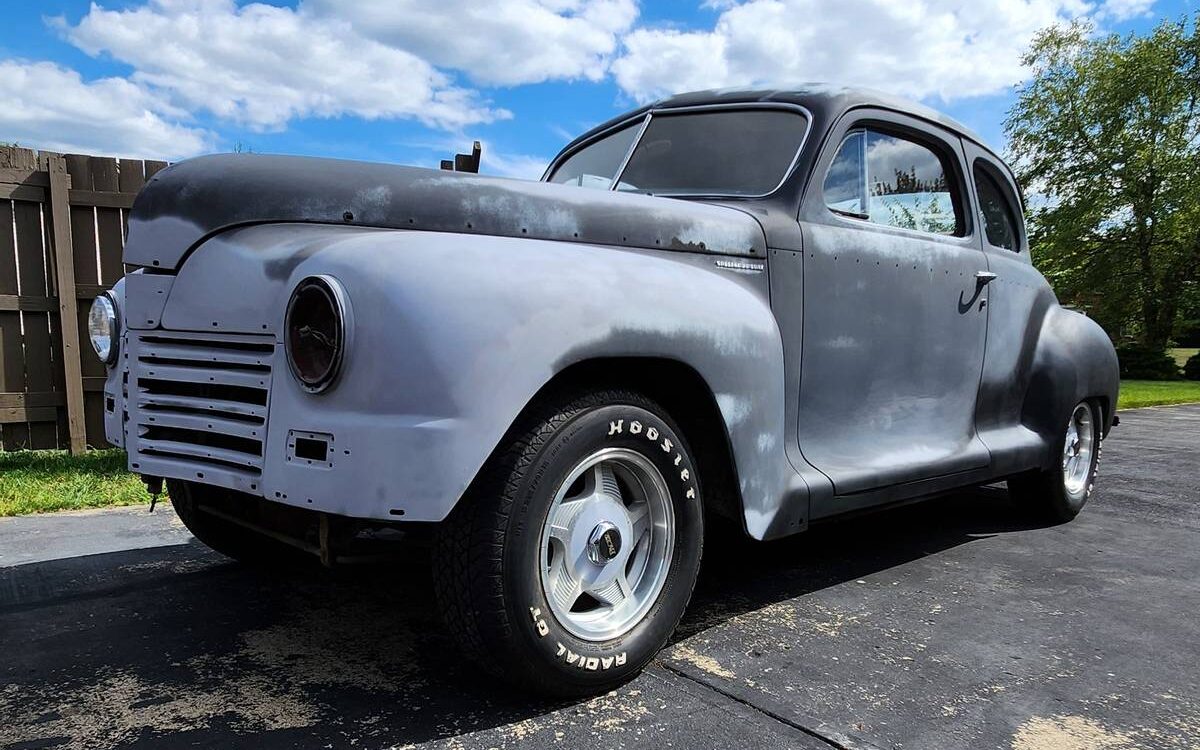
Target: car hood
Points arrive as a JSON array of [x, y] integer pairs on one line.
[[188, 202]]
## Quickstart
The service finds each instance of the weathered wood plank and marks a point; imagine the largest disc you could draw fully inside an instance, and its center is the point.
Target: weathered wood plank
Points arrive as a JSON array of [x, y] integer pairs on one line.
[[90, 292], [16, 157], [23, 416], [29, 177], [64, 265], [108, 221], [22, 193], [32, 400], [131, 175], [27, 303], [39, 355], [153, 167], [101, 199], [12, 351]]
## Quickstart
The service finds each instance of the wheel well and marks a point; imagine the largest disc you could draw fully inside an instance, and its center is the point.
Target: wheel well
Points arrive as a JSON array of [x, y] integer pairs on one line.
[[686, 397]]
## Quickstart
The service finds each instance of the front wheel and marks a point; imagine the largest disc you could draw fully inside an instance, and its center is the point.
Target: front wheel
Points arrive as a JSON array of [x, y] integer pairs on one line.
[[569, 563], [1059, 493]]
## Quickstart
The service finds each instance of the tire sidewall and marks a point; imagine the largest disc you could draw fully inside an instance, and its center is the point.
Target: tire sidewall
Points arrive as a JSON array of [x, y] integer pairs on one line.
[[578, 661]]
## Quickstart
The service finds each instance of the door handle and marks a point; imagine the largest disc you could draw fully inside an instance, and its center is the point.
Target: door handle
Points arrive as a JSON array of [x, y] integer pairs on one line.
[[983, 278]]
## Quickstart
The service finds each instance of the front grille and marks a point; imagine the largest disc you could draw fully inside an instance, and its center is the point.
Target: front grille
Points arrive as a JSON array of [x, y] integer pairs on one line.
[[200, 401]]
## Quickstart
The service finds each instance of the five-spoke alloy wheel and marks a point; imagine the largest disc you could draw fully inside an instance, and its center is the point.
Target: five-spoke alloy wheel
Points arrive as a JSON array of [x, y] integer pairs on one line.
[[1059, 493], [571, 559], [607, 543]]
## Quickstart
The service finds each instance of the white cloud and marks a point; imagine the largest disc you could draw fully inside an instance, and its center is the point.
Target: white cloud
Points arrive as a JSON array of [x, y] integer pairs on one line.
[[922, 49], [50, 107], [1123, 10], [263, 66], [495, 43], [492, 161], [521, 166]]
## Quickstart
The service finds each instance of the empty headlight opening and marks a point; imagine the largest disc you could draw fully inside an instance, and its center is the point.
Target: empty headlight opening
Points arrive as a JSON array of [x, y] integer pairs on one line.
[[315, 332]]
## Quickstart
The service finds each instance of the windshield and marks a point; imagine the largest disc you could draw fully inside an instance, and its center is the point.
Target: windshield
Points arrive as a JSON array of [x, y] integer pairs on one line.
[[735, 152]]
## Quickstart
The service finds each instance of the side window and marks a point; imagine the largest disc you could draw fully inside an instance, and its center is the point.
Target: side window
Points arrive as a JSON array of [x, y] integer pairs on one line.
[[846, 182], [996, 211], [894, 181]]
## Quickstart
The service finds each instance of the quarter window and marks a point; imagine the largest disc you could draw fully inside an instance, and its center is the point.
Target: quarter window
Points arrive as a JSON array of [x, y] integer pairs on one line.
[[996, 211], [894, 181], [596, 166]]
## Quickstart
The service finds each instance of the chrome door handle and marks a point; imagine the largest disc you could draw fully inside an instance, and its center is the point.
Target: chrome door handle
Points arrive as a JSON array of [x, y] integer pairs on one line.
[[983, 278]]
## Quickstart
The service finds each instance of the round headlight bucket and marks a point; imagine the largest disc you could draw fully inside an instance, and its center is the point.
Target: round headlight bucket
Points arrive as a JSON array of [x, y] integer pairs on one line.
[[104, 328], [315, 332]]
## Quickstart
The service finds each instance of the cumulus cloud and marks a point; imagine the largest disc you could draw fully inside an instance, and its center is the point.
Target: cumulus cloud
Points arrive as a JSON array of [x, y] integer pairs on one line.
[[51, 107], [1123, 10], [923, 49], [263, 65], [495, 43]]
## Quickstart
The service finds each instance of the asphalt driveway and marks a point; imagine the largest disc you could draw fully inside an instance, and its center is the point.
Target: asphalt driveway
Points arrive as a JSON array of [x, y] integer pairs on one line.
[[951, 624]]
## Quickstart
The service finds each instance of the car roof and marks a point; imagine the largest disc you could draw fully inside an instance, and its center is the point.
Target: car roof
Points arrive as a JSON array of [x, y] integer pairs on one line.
[[824, 101]]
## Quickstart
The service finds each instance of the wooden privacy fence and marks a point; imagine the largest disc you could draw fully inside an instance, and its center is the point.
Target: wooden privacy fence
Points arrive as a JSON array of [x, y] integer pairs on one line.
[[62, 230]]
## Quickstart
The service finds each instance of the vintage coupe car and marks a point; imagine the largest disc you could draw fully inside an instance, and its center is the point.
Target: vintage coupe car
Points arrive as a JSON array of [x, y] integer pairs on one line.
[[765, 307]]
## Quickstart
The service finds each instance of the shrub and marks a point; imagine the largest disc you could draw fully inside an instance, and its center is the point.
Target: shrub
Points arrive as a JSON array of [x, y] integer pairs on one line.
[[1191, 368], [1145, 363]]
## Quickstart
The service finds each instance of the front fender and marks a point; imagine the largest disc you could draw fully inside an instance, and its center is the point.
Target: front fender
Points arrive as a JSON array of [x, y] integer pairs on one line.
[[455, 334]]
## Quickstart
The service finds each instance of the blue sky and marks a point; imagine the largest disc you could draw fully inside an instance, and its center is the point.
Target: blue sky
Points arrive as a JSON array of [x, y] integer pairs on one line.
[[411, 81]]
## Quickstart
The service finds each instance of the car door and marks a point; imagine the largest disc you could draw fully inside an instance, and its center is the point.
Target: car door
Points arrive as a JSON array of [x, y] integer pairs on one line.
[[1017, 302], [895, 318]]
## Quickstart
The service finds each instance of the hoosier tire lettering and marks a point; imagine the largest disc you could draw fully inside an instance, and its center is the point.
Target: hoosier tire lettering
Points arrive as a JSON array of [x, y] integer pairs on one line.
[[617, 427]]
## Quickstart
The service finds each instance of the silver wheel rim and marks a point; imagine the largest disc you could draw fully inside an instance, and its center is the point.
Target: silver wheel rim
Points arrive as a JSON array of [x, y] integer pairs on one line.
[[607, 544], [1077, 450]]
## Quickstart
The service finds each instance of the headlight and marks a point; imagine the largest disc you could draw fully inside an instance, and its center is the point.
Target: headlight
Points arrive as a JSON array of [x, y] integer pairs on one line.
[[104, 328], [315, 332]]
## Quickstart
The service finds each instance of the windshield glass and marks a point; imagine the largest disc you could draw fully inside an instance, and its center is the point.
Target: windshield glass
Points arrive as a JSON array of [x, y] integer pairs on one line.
[[735, 152], [597, 165]]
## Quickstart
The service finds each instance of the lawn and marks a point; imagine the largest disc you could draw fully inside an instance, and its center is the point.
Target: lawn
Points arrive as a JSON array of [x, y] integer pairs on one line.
[[1182, 355], [41, 481], [1135, 393]]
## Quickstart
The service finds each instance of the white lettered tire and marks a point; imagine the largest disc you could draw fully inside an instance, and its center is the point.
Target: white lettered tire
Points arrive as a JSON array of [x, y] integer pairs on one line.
[[571, 559]]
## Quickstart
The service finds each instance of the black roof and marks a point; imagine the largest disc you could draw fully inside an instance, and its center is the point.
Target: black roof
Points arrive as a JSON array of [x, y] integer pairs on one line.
[[824, 101]]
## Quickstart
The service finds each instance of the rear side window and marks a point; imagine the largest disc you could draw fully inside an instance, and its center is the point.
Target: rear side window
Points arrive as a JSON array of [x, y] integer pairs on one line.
[[996, 211], [890, 180]]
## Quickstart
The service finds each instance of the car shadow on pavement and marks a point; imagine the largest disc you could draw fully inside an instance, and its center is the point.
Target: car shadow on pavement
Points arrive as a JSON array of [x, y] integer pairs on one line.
[[133, 647]]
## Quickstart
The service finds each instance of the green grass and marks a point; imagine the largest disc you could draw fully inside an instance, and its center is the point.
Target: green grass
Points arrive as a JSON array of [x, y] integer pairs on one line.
[[42, 481], [1182, 355], [1135, 393]]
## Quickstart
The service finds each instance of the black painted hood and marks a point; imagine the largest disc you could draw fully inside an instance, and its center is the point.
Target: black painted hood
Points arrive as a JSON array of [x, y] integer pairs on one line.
[[190, 201]]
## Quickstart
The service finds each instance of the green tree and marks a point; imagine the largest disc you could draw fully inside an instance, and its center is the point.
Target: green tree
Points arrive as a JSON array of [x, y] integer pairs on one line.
[[1105, 136]]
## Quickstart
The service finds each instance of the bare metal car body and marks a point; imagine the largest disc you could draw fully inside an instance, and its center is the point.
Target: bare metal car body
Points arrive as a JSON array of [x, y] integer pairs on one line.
[[834, 364]]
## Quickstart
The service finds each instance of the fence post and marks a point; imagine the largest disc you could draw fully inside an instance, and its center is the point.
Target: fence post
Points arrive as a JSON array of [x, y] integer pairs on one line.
[[64, 266]]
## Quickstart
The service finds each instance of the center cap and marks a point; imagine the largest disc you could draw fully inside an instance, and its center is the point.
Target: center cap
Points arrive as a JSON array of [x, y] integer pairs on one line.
[[604, 543]]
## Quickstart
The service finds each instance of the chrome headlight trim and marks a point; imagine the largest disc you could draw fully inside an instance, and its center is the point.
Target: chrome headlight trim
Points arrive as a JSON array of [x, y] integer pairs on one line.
[[104, 328], [324, 291]]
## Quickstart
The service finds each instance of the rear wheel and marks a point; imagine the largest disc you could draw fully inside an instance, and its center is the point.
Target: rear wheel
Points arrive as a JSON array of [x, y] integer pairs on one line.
[[570, 562], [1059, 493]]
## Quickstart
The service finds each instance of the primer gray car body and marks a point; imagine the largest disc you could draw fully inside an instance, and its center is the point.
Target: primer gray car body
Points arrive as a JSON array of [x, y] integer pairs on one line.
[[851, 365]]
